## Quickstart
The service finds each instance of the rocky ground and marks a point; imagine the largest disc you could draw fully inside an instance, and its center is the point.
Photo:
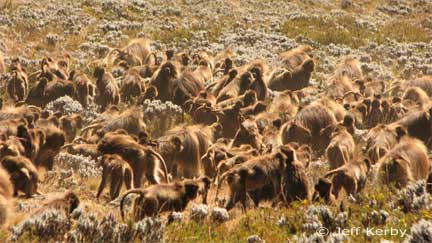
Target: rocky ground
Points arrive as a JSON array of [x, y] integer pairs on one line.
[[392, 39]]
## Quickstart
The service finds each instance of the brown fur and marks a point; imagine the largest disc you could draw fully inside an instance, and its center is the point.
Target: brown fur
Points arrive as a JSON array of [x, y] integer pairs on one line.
[[341, 148], [2, 65], [135, 53], [83, 86], [23, 174], [417, 123], [54, 140], [143, 160], [323, 190], [236, 87], [295, 79], [297, 66], [415, 96], [248, 98], [117, 171], [132, 87], [405, 163], [247, 134], [306, 127], [130, 120], [67, 203], [351, 68], [380, 140], [338, 86], [45, 91], [183, 146], [295, 182], [89, 150], [203, 72], [230, 119], [294, 57], [424, 82], [6, 192], [70, 125], [156, 199], [218, 85], [17, 85], [107, 89], [252, 175], [351, 176], [163, 79]]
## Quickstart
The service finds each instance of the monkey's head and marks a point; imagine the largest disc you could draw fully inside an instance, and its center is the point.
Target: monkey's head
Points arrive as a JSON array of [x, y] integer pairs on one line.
[[191, 189], [400, 132], [6, 150], [395, 171], [245, 80], [260, 107], [232, 73], [168, 70], [169, 54], [228, 64], [322, 190], [99, 72], [250, 98], [73, 200], [385, 105], [376, 104], [289, 153], [130, 58], [151, 92]]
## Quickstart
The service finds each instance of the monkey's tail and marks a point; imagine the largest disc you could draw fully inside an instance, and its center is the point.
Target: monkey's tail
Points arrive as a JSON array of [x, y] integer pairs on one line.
[[97, 125], [139, 191], [332, 172], [163, 164]]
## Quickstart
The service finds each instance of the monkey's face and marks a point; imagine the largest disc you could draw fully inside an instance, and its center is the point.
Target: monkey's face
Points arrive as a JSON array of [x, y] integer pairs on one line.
[[191, 189], [322, 189], [395, 173]]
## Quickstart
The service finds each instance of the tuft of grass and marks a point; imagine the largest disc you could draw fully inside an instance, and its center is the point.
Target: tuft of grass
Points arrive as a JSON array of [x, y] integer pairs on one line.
[[344, 30], [404, 31], [177, 35]]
